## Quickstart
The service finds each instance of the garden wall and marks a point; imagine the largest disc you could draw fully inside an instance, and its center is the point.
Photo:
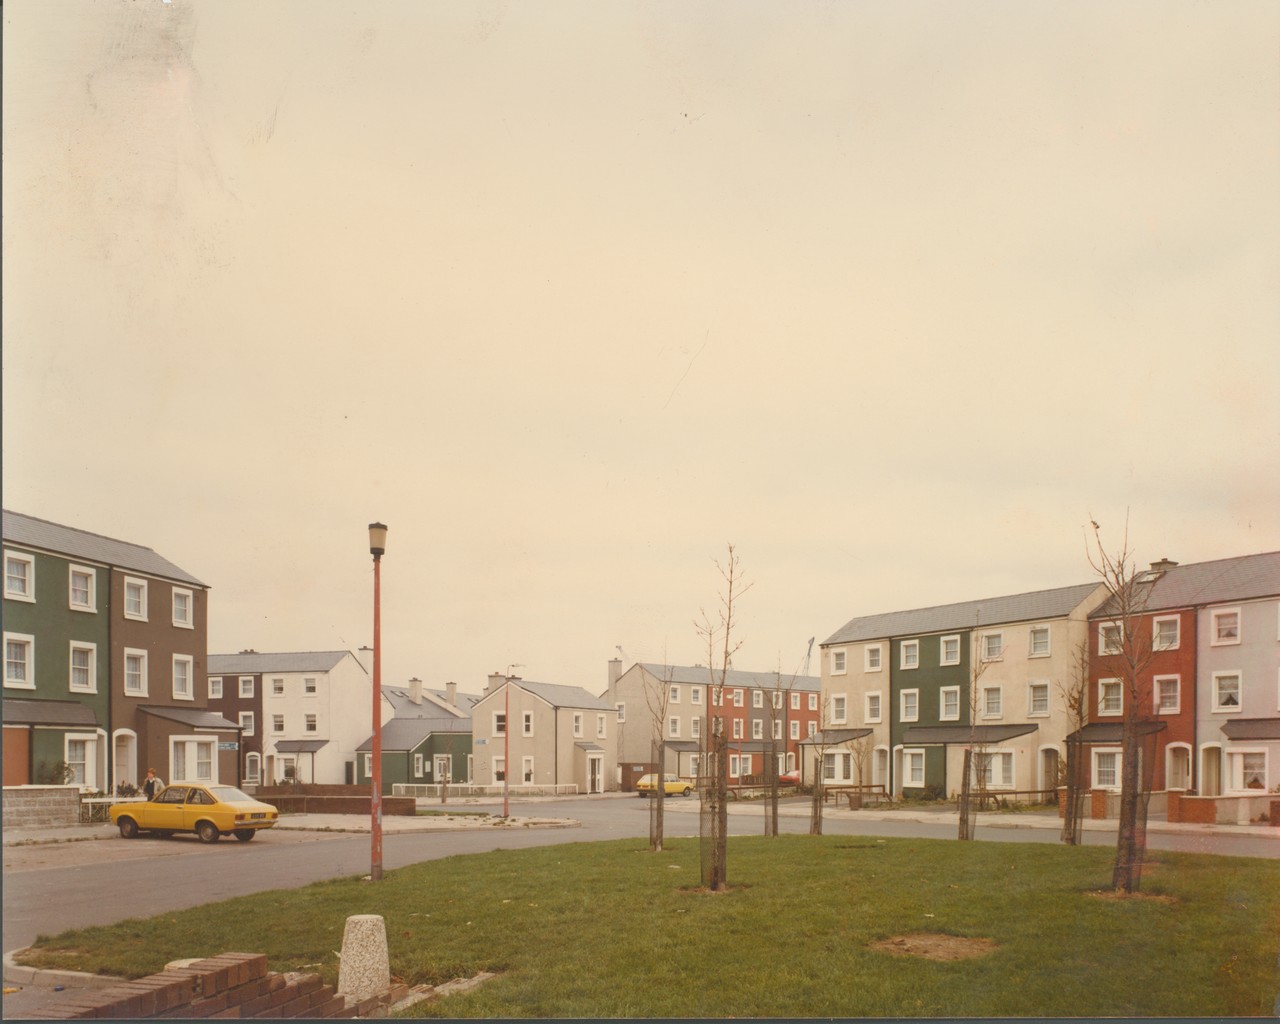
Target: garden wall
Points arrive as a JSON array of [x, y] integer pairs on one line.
[[41, 806]]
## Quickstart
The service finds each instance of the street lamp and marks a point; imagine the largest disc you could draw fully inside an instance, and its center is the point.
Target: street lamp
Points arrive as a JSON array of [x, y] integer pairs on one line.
[[377, 545]]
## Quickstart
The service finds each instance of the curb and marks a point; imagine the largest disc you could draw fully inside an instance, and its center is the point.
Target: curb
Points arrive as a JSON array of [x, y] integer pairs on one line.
[[16, 974]]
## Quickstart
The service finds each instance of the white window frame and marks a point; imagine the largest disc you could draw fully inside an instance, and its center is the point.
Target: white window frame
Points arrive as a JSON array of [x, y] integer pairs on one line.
[[577, 724], [417, 765], [246, 691], [757, 698], [215, 687], [1031, 642], [310, 686], [90, 741], [914, 647], [526, 723], [190, 621], [777, 729], [90, 604], [695, 695], [909, 754], [1217, 707], [942, 649], [90, 649], [839, 709], [1007, 778], [873, 658], [499, 767], [1103, 685], [902, 706], [987, 691], [1158, 707], [29, 661], [368, 766], [737, 729], [143, 657], [190, 664], [738, 697], [811, 729], [1156, 644], [28, 595], [526, 769], [867, 717], [987, 654], [277, 687], [252, 767], [1093, 765], [622, 710], [248, 723], [757, 728], [734, 763], [277, 724], [1032, 686], [1233, 769], [310, 723], [795, 729], [695, 728], [601, 727], [499, 723], [1214, 639], [191, 761], [674, 694], [795, 702], [942, 704], [141, 584], [839, 661], [813, 702], [1104, 650]]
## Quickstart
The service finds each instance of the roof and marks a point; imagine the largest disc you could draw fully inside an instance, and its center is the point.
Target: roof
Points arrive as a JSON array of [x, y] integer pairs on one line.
[[964, 733], [299, 746], [700, 674], [587, 745], [827, 736], [18, 711], [65, 540], [254, 663], [408, 733], [559, 696], [1111, 732], [1252, 729], [398, 697], [989, 611], [196, 718], [1200, 583]]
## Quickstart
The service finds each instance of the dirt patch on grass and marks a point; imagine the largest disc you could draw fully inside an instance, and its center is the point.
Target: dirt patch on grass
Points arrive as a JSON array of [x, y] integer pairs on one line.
[[932, 946], [1150, 897]]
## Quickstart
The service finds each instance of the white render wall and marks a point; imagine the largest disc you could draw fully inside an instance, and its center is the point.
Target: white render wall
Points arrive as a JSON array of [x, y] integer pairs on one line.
[[343, 708]]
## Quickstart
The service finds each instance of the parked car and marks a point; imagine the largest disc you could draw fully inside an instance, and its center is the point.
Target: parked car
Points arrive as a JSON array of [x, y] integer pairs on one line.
[[791, 778], [208, 811], [672, 785]]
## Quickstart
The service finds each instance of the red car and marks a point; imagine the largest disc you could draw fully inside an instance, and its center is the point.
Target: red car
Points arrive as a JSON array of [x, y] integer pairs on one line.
[[791, 778]]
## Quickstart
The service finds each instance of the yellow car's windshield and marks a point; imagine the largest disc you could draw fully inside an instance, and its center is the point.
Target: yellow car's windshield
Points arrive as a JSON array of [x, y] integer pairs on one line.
[[230, 795]]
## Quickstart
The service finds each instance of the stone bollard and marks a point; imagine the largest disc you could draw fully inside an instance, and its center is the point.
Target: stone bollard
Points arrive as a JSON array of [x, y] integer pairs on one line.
[[365, 969]]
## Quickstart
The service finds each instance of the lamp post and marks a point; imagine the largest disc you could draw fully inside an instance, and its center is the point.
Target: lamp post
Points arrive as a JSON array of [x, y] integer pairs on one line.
[[377, 545], [506, 748]]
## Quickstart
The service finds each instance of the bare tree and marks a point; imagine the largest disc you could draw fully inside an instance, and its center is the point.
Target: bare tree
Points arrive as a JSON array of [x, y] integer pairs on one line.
[[779, 699], [657, 696], [1126, 649], [821, 747], [1075, 698], [977, 761], [721, 646]]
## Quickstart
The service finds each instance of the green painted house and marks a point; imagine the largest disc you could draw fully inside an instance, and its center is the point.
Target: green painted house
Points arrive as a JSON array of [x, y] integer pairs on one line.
[[420, 751]]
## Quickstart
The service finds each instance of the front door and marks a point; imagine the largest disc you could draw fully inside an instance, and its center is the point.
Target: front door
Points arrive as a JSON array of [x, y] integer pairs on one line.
[[443, 769], [595, 775], [1211, 771]]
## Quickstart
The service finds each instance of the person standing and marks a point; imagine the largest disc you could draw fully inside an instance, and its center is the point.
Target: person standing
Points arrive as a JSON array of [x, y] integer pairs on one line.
[[152, 784]]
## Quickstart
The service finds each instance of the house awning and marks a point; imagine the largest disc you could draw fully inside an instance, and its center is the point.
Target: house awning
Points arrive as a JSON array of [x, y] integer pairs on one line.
[[299, 746], [584, 745], [1111, 732], [829, 736], [1252, 729], [48, 712], [195, 718], [945, 734], [683, 746]]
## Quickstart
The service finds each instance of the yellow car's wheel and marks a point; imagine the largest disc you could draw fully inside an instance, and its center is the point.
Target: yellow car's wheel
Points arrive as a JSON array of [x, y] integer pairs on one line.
[[208, 832], [245, 834], [128, 828]]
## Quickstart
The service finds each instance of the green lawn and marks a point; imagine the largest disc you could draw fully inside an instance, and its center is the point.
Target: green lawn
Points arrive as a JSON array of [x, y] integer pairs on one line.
[[611, 930]]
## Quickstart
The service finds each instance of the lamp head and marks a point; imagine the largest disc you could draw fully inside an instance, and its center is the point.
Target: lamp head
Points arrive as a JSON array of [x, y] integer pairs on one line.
[[377, 539]]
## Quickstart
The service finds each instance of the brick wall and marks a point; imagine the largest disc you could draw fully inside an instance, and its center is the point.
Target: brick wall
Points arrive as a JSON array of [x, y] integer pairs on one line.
[[41, 806], [230, 985]]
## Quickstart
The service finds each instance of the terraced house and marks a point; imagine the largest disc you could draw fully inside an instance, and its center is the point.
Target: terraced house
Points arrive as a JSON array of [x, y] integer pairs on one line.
[[923, 685], [426, 741], [104, 643]]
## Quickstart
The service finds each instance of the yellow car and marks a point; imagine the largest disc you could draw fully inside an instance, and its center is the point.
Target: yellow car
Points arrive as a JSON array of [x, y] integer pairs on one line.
[[672, 785], [208, 811]]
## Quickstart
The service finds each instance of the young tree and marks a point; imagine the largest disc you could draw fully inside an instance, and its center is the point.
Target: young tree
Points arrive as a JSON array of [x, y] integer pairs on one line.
[[1075, 698], [1127, 650], [657, 696], [776, 720], [821, 746], [721, 646], [977, 761]]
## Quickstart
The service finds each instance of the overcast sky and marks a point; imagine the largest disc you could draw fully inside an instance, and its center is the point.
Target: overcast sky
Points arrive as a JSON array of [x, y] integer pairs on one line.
[[892, 295]]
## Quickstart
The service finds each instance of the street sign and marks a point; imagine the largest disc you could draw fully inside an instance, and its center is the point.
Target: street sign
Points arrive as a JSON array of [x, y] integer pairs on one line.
[[480, 742], [233, 745]]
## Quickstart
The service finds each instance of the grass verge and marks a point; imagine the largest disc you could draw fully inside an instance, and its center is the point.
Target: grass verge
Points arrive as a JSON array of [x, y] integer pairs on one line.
[[611, 930]]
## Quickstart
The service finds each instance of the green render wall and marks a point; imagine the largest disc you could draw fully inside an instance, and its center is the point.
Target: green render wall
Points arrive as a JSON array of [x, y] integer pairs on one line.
[[397, 766], [929, 679]]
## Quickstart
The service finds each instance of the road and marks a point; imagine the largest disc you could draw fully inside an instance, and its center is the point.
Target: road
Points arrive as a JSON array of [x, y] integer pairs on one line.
[[53, 887]]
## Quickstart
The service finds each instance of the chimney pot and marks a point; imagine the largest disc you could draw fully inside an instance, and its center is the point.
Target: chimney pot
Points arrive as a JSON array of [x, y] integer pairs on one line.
[[415, 690], [451, 691]]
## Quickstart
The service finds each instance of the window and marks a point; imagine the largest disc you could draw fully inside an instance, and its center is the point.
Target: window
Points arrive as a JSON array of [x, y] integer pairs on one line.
[[247, 724], [183, 689], [526, 768], [795, 730], [695, 728], [871, 709], [813, 702], [909, 705], [838, 662], [135, 599], [993, 769], [737, 698], [992, 646], [1226, 691], [77, 751], [19, 661], [1110, 638], [837, 767], [1165, 633], [526, 723], [737, 728], [695, 695], [215, 687], [839, 713], [252, 768], [499, 723], [675, 695], [191, 759], [1037, 699], [777, 730], [84, 668], [913, 764], [19, 576], [577, 724], [949, 649], [949, 704], [246, 686], [183, 616], [499, 769], [277, 687], [795, 702], [757, 698], [1224, 627], [811, 729], [910, 654], [82, 589], [308, 686], [1106, 769], [757, 729], [600, 727], [622, 711], [277, 723], [417, 766], [746, 764], [734, 766], [135, 673], [673, 727], [310, 721], [1247, 770], [777, 700], [1038, 646], [871, 657], [1110, 697], [717, 696], [992, 702], [1167, 693]]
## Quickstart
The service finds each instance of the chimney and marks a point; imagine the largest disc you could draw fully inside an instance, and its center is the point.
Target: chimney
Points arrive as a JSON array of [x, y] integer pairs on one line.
[[365, 657], [1163, 565], [615, 671], [495, 679], [451, 692], [248, 650], [415, 690]]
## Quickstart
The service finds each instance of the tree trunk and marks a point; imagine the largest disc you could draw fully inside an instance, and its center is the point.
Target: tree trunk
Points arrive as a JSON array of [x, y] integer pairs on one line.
[[966, 792], [1126, 876], [658, 804], [815, 813]]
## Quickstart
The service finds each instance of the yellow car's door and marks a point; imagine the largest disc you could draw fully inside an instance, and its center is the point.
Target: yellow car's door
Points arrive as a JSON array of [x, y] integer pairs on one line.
[[165, 812]]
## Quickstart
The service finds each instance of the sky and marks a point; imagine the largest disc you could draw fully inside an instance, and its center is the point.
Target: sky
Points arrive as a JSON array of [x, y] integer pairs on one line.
[[894, 296]]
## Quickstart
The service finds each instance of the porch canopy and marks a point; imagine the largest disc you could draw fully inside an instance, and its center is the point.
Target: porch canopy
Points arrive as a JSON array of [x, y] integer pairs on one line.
[[927, 735], [195, 718], [1111, 732], [69, 713], [1252, 729], [829, 737]]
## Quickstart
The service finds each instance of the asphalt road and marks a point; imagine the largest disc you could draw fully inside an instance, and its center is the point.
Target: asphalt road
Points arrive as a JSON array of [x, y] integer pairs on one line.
[[52, 887]]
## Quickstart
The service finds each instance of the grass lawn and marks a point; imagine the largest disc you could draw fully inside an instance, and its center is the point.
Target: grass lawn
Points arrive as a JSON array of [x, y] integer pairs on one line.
[[611, 930]]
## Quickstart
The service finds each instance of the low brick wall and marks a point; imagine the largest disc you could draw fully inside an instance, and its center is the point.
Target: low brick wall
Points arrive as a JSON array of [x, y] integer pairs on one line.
[[41, 806], [1223, 810], [230, 985]]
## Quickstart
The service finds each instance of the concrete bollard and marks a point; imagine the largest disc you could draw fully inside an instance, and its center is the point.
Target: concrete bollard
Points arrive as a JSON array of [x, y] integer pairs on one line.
[[365, 969]]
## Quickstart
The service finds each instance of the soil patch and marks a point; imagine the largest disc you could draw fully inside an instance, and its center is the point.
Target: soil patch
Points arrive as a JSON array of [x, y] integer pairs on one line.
[[935, 947]]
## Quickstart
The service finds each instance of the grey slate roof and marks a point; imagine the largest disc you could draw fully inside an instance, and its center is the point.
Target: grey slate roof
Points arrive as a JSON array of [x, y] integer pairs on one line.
[[1199, 583], [1252, 729], [559, 696], [398, 697], [826, 736], [196, 718], [701, 675], [18, 711], [43, 535], [402, 734], [295, 661], [990, 611], [299, 746]]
